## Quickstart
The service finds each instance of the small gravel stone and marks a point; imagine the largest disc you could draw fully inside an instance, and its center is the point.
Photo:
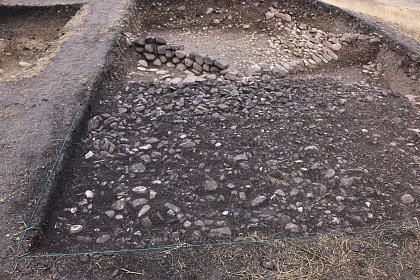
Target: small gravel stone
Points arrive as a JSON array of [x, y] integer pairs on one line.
[[119, 205], [210, 185], [146, 222], [330, 173], [25, 65], [267, 265], [174, 208], [280, 192], [258, 201], [269, 15], [74, 229], [110, 213], [220, 232], [103, 239], [292, 227], [139, 201], [346, 182], [407, 198], [138, 168], [240, 157], [152, 194], [143, 210], [140, 190], [89, 194]]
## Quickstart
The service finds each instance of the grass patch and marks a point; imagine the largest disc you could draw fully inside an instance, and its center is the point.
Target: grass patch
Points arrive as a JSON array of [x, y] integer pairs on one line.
[[404, 19]]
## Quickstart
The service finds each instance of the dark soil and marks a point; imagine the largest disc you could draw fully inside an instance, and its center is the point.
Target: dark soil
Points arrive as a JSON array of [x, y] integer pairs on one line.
[[291, 132]]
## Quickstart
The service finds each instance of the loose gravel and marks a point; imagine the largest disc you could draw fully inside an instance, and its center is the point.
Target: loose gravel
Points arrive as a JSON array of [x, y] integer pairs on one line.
[[161, 164]]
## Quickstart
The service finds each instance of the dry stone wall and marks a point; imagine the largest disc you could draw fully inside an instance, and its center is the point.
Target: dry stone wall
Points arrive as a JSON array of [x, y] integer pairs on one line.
[[158, 52], [293, 46]]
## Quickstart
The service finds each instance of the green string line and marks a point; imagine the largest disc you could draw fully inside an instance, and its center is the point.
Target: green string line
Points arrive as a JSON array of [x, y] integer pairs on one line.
[[208, 245], [50, 175]]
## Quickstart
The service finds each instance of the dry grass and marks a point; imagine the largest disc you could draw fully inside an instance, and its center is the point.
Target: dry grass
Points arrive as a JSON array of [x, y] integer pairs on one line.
[[393, 254], [404, 19]]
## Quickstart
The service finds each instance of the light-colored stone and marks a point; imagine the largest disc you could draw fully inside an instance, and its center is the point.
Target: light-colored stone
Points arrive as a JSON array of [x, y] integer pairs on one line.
[[269, 15], [143, 63], [258, 201], [172, 207], [180, 54], [292, 227], [176, 81], [74, 229], [407, 198], [119, 205], [181, 67], [103, 239], [162, 59], [210, 185], [220, 232], [149, 56], [197, 67], [212, 77], [139, 201], [25, 65], [89, 194], [188, 62], [138, 167], [240, 157], [157, 62], [335, 47], [140, 190], [286, 17], [193, 79], [330, 173], [143, 210], [199, 58]]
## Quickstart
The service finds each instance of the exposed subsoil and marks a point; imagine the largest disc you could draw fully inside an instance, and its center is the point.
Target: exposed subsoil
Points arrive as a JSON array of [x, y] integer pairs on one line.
[[27, 33]]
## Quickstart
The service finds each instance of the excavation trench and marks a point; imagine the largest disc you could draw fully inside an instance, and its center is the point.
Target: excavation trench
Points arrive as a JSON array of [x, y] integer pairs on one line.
[[248, 150]]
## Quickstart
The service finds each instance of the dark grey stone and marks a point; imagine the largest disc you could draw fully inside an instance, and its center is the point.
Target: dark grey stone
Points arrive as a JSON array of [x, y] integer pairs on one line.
[[160, 40], [221, 64]]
